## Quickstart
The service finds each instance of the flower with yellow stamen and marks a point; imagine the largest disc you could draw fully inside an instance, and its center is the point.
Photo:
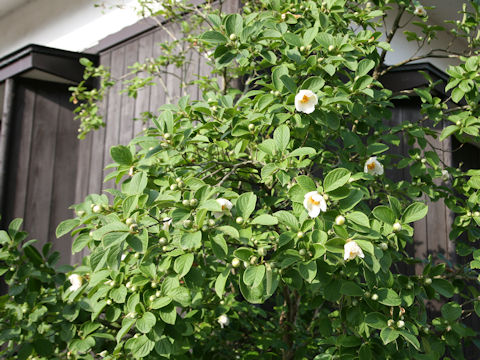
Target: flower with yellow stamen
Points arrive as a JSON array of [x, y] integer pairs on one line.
[[373, 166], [351, 250], [420, 11], [226, 206], [305, 101], [314, 203]]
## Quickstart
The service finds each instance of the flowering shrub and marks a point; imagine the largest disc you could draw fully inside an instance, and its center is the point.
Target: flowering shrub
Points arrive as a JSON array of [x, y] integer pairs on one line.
[[262, 219]]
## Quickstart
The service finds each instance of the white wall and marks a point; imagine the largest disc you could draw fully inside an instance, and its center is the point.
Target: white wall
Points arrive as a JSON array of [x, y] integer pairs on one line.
[[65, 24]]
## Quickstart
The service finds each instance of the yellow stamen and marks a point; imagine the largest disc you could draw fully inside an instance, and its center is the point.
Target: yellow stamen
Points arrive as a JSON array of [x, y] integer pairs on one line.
[[371, 166], [224, 207], [305, 99], [313, 201]]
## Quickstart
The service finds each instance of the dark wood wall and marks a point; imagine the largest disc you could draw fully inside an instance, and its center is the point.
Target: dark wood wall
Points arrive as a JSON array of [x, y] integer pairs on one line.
[[41, 161]]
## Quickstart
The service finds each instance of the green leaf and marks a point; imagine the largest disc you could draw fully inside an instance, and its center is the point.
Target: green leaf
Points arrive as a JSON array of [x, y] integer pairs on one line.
[[388, 297], [160, 302], [169, 314], [388, 335], [119, 294], [306, 183], [313, 83], [335, 245], [443, 287], [385, 214], [137, 184], [303, 151], [243, 253], [376, 320], [364, 67], [287, 218], [265, 219], [289, 83], [141, 346], [230, 231], [127, 324], [308, 270], [351, 289], [221, 281], [335, 179], [183, 264], [146, 322], [245, 204], [449, 130], [66, 226], [457, 94], [253, 275], [121, 155], [376, 148], [358, 218], [181, 295], [451, 311], [277, 73], [414, 212], [292, 39], [281, 136], [412, 339], [191, 240], [310, 34], [214, 37], [219, 246], [234, 24]]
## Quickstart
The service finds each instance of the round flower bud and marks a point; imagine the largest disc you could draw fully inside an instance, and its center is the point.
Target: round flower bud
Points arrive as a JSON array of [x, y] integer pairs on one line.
[[187, 223], [277, 93], [133, 228], [233, 37], [374, 297], [384, 246], [469, 213], [193, 202], [204, 228], [458, 123], [283, 16], [251, 127], [302, 48], [128, 285], [185, 202], [428, 281], [331, 48], [162, 241], [134, 288], [302, 252], [390, 322], [354, 302], [12, 268], [136, 256], [235, 262], [423, 161], [397, 227], [300, 234], [173, 187], [80, 213], [178, 180], [96, 209], [136, 336], [164, 248], [476, 213], [154, 284], [245, 264], [167, 136], [261, 251], [211, 222], [253, 260], [152, 297], [129, 221], [109, 302], [400, 324], [339, 220], [158, 293], [239, 220]]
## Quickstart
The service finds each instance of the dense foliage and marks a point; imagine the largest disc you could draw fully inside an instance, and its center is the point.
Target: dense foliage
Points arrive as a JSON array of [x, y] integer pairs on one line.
[[265, 220]]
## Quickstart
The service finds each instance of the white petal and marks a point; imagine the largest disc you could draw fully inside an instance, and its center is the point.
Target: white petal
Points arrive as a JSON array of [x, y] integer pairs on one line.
[[323, 205], [314, 212]]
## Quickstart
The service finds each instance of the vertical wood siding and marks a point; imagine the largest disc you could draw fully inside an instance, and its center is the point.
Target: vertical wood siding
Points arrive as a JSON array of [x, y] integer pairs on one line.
[[42, 161]]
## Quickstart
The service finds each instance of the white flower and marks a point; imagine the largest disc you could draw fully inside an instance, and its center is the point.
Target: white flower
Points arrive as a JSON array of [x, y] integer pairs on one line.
[[420, 11], [445, 175], [352, 250], [223, 320], [314, 203], [123, 257], [305, 101], [373, 167], [166, 224], [226, 206], [76, 281]]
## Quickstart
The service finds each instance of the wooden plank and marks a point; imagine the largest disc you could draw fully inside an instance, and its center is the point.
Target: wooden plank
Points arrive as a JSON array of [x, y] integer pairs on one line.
[[63, 195], [24, 109], [174, 74], [40, 172], [191, 69], [142, 102], [157, 91], [128, 103], [113, 115], [83, 167], [98, 140]]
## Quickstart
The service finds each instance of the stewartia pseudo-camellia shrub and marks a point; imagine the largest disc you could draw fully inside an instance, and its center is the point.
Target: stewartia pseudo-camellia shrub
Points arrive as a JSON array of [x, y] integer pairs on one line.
[[262, 220]]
